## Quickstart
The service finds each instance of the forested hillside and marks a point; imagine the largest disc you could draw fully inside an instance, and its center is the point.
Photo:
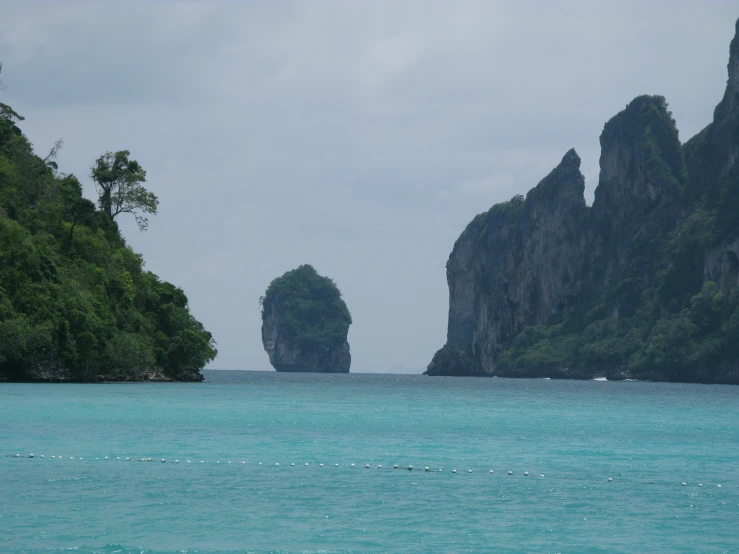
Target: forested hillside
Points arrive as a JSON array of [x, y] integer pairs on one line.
[[75, 301]]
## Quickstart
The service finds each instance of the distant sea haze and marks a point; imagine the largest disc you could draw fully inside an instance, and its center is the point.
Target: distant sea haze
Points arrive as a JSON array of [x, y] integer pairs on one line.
[[391, 371]]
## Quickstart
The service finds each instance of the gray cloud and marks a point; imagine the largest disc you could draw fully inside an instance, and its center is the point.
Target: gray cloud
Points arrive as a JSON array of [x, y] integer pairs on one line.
[[359, 137]]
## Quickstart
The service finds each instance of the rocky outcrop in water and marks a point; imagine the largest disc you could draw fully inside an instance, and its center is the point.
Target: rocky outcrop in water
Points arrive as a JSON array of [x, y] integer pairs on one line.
[[305, 323], [643, 284]]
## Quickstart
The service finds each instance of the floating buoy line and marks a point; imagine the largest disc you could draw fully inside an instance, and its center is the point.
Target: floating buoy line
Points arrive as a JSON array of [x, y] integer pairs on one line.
[[426, 469]]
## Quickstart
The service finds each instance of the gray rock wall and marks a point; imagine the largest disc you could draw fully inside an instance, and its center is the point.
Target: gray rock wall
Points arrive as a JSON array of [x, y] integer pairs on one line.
[[525, 262]]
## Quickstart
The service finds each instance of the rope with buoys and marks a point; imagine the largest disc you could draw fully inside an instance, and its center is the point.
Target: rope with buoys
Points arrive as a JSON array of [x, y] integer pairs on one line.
[[426, 469]]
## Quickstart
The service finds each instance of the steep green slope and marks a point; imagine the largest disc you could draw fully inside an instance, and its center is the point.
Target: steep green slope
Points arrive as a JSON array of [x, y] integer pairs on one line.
[[75, 301]]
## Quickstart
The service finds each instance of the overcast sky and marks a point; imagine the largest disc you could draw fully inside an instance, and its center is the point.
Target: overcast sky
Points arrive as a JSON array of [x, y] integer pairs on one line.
[[360, 137]]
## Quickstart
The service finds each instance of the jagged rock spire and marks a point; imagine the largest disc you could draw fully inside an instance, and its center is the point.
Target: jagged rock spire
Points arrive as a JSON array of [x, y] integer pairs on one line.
[[729, 106]]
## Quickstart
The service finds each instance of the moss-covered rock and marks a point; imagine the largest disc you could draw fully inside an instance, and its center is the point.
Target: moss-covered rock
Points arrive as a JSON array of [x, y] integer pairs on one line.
[[305, 323]]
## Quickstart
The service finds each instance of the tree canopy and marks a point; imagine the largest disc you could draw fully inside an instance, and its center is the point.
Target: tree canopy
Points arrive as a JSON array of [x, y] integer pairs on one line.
[[118, 184]]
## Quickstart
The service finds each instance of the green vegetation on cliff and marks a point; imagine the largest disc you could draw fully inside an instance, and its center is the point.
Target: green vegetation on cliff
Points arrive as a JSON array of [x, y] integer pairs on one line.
[[690, 345], [75, 301], [644, 284], [663, 316], [312, 314]]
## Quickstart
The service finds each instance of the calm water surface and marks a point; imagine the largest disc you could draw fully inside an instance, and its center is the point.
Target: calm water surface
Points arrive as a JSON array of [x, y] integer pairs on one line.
[[647, 437]]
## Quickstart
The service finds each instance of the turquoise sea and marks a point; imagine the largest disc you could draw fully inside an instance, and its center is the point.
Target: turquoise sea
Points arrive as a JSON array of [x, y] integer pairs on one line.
[[570, 437]]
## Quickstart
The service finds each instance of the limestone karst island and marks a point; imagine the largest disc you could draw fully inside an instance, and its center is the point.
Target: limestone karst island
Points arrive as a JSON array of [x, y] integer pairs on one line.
[[644, 284], [305, 323]]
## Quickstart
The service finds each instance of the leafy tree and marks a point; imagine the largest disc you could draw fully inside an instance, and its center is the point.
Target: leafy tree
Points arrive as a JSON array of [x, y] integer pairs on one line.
[[118, 184]]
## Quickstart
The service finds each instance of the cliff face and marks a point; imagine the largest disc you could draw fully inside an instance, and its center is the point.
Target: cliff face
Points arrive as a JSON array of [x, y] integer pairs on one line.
[[721, 265], [515, 266], [546, 286], [722, 134], [285, 355], [305, 324], [641, 176]]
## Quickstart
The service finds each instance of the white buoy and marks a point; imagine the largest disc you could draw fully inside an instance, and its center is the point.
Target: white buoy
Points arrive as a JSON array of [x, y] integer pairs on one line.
[[542, 475], [53, 456], [491, 471], [609, 479], [99, 458], [320, 465], [292, 465], [42, 456], [526, 473], [106, 457], [395, 466], [410, 468], [440, 470], [163, 460], [71, 457], [242, 463], [336, 465], [719, 486], [117, 457], [128, 459], [510, 473], [202, 461], [306, 463], [150, 459], [366, 466], [379, 466], [260, 463], [469, 471], [81, 458], [17, 455], [188, 461], [454, 471], [228, 462], [177, 461], [277, 464], [700, 484], [352, 465], [218, 461], [30, 456], [683, 484], [426, 468]]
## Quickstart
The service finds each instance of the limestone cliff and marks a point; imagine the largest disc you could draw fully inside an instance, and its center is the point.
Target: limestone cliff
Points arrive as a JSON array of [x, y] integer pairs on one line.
[[519, 263], [644, 284], [305, 323]]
